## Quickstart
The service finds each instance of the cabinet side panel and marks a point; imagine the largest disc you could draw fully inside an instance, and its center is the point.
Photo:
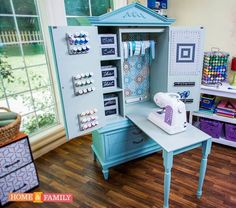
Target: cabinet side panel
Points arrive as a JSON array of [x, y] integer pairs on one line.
[[159, 66]]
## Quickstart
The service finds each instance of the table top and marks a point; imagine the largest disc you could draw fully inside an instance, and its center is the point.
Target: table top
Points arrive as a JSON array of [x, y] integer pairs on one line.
[[138, 114]]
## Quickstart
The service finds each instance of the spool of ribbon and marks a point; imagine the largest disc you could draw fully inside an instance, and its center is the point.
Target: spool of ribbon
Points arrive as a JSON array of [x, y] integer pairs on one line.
[[233, 64]]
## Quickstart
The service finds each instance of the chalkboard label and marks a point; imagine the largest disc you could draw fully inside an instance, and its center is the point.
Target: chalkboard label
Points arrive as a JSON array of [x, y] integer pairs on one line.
[[108, 83], [110, 102], [107, 40], [111, 112], [108, 73], [108, 51]]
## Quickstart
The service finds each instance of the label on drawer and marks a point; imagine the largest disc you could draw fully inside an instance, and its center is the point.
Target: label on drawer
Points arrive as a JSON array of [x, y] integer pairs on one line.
[[14, 156], [21, 180]]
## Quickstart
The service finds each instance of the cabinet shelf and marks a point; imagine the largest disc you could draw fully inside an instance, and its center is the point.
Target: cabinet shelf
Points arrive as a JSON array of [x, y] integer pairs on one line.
[[214, 117], [110, 58], [115, 118], [224, 142], [226, 90], [112, 90]]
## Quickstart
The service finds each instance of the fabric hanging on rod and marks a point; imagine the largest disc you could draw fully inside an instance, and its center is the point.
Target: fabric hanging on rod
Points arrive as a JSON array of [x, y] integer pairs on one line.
[[136, 48], [126, 52], [152, 49], [130, 49]]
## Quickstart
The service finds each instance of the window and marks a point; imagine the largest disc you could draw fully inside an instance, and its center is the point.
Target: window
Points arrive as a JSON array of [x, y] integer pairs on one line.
[[76, 10], [25, 83]]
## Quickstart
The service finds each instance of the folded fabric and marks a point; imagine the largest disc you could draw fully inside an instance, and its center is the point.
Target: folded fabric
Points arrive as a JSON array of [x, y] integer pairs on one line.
[[229, 106], [7, 115], [6, 122]]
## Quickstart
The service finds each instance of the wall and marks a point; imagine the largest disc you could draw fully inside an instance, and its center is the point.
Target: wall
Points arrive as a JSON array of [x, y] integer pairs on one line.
[[218, 17]]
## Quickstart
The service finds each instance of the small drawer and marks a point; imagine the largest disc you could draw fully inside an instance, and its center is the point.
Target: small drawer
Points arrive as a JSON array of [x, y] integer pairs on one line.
[[14, 156], [125, 141], [21, 180]]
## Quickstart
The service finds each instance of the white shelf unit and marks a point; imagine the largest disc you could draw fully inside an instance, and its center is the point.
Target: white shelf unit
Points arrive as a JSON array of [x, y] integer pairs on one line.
[[227, 91]]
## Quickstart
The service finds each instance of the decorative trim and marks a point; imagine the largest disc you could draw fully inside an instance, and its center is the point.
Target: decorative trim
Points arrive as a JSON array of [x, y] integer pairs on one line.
[[133, 14]]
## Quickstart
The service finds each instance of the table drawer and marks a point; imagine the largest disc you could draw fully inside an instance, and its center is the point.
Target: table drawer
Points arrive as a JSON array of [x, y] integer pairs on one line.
[[126, 140], [14, 156], [21, 180]]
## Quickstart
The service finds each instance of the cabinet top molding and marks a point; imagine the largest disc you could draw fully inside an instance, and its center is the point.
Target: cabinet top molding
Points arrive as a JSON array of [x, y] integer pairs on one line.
[[132, 15]]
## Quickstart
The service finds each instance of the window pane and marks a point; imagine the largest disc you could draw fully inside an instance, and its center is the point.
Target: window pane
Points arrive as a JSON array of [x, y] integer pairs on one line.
[[38, 76], [29, 28], [34, 54], [1, 90], [75, 21], [42, 98], [46, 117], [24, 7], [18, 83], [5, 7], [77, 7], [100, 7], [29, 123], [7, 30], [11, 54], [3, 103], [21, 103]]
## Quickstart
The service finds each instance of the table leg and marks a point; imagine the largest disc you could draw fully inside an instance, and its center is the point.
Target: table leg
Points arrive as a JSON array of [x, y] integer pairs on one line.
[[168, 163], [206, 148]]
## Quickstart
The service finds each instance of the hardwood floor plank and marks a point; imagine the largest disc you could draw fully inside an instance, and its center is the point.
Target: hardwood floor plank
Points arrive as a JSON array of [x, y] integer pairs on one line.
[[138, 183]]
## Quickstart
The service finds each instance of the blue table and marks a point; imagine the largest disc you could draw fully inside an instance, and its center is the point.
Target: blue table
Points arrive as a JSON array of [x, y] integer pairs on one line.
[[172, 144]]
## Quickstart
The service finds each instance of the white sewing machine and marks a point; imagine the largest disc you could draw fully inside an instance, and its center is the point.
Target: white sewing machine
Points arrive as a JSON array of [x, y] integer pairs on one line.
[[171, 117]]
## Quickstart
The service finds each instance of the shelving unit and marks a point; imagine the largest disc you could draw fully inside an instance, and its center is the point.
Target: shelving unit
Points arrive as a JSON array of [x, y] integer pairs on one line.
[[226, 91]]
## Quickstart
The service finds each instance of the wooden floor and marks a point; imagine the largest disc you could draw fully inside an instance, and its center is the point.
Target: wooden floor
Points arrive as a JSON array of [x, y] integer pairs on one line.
[[71, 169]]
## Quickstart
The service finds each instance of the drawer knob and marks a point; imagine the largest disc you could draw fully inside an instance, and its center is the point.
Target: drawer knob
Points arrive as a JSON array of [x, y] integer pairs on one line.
[[138, 142]]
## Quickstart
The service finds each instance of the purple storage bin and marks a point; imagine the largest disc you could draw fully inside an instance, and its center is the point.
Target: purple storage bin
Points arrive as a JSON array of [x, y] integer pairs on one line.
[[211, 127], [230, 132]]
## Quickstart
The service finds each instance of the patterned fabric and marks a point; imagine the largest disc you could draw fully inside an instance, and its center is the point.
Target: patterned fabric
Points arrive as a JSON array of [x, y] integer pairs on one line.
[[136, 76], [14, 156], [21, 180]]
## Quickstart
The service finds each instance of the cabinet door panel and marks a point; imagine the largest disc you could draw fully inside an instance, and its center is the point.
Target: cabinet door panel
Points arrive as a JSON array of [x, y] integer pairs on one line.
[[185, 64], [75, 95]]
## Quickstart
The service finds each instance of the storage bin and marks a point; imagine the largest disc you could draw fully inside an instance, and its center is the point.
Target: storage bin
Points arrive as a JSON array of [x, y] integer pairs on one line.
[[207, 101], [230, 132], [211, 127]]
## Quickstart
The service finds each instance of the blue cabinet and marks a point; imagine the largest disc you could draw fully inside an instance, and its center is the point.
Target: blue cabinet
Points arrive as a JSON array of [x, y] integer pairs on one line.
[[120, 142]]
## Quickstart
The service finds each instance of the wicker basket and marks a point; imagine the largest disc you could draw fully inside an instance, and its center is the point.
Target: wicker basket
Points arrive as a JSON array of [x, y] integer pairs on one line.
[[9, 132]]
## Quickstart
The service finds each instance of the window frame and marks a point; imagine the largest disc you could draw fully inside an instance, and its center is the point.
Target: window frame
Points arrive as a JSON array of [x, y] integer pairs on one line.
[[19, 43]]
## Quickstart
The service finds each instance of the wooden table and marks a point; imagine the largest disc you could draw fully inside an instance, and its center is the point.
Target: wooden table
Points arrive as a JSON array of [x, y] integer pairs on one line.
[[172, 144]]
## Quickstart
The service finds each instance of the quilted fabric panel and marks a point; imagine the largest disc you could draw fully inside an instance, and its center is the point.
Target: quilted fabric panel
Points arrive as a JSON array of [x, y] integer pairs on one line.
[[21, 180], [14, 156], [136, 76]]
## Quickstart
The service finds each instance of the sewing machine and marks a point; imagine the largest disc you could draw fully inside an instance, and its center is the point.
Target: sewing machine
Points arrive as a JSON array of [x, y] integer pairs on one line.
[[171, 117]]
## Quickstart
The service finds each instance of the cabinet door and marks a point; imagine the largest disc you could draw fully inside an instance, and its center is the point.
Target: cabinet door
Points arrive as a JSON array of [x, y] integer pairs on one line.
[[185, 64], [79, 77]]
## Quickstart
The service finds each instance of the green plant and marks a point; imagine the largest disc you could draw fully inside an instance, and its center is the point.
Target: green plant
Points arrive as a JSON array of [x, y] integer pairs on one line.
[[5, 69], [41, 121]]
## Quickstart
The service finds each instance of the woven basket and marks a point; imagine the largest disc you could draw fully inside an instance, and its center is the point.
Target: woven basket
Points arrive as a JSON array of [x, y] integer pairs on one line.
[[9, 132]]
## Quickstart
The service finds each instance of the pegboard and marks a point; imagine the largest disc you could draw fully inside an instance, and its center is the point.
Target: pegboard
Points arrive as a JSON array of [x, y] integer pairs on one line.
[[185, 51]]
